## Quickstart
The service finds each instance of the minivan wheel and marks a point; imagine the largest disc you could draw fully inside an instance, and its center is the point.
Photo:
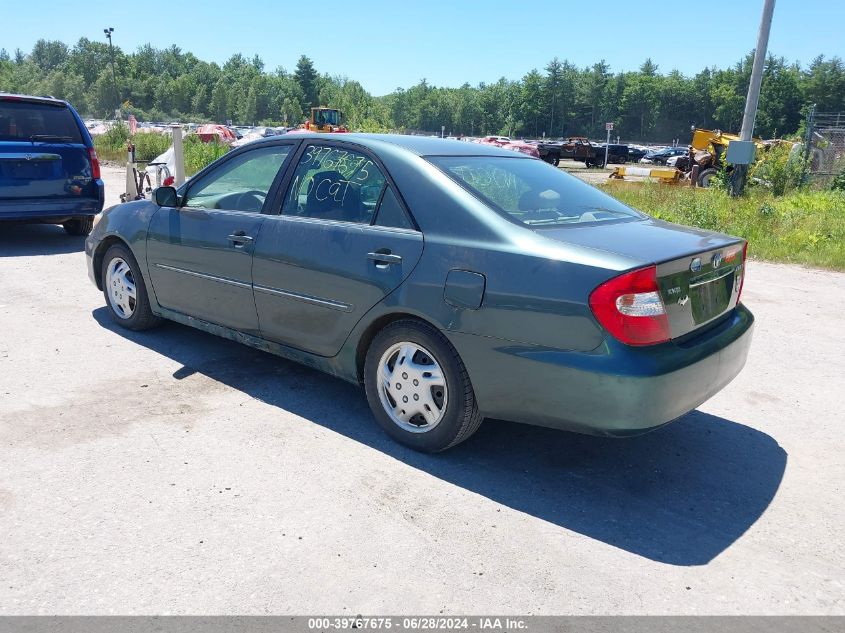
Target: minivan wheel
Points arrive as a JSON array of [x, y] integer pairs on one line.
[[79, 226], [418, 388], [125, 291]]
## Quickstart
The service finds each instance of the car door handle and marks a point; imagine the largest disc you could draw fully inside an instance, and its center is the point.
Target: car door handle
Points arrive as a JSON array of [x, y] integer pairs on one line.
[[384, 259], [240, 239]]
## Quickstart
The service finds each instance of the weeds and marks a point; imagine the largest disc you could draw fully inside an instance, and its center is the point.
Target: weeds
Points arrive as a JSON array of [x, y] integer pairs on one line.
[[199, 154], [802, 226], [112, 146]]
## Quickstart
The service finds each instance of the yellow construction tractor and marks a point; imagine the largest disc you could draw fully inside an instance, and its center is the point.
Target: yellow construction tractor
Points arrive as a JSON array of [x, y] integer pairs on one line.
[[706, 156], [325, 119], [707, 152]]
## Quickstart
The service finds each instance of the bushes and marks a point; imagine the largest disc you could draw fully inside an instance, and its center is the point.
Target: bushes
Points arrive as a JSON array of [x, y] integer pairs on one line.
[[148, 145], [778, 168], [802, 226], [199, 154], [112, 146]]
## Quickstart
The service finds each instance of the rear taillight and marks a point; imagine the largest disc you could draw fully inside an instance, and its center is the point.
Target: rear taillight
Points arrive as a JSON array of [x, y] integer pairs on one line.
[[95, 163], [741, 272], [630, 308]]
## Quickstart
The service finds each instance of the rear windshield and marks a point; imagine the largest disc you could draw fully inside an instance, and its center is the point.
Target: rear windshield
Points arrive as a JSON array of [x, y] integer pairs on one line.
[[533, 192], [24, 121]]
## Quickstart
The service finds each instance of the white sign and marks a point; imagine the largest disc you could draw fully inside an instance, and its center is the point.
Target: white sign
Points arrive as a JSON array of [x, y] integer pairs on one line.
[[608, 126]]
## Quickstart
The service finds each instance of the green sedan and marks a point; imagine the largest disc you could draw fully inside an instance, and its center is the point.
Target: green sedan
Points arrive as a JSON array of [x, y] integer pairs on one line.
[[453, 281]]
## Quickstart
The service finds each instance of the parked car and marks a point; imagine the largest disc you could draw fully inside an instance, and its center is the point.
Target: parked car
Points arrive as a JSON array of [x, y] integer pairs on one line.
[[453, 281], [635, 153], [49, 170], [522, 147], [660, 157]]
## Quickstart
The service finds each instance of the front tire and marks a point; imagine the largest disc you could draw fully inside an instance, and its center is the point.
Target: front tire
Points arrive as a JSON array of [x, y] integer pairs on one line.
[[706, 176], [79, 226], [125, 290], [418, 387]]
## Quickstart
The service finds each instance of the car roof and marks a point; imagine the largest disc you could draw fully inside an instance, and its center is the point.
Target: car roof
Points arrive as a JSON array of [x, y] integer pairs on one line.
[[9, 96], [419, 145]]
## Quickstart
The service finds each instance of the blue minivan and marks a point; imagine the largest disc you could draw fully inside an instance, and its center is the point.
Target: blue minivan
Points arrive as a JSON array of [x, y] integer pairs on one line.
[[48, 167]]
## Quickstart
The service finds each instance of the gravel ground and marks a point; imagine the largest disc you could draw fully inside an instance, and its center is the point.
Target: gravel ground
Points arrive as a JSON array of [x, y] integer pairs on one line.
[[174, 472]]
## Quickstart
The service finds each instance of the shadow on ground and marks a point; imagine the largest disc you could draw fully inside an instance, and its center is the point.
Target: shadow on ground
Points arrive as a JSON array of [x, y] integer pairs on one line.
[[37, 239], [680, 495]]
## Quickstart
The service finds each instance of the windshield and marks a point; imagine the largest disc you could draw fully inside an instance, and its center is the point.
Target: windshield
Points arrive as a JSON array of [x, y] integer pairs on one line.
[[533, 192], [27, 121], [327, 117]]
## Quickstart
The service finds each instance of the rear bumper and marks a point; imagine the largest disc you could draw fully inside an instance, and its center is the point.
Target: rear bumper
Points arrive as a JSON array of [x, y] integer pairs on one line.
[[613, 390], [51, 209]]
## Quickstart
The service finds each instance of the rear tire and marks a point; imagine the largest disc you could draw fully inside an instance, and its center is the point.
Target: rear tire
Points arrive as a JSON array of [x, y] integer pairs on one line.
[[79, 226], [705, 177], [125, 290], [435, 375]]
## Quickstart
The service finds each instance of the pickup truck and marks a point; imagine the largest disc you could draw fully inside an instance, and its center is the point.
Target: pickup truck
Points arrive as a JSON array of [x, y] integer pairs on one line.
[[573, 148]]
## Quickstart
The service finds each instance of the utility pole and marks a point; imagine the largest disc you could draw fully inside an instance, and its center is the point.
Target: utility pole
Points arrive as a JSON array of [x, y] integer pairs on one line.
[[740, 172], [108, 33]]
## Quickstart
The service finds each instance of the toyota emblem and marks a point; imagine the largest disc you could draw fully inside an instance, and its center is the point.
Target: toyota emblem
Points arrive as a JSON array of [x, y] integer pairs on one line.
[[717, 260]]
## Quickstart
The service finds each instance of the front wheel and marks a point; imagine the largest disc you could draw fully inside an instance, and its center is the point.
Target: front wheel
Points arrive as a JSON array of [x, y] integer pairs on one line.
[[418, 388], [79, 226], [705, 177], [125, 291]]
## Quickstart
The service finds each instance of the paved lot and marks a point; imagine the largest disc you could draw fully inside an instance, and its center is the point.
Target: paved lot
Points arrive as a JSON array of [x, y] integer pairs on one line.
[[174, 472]]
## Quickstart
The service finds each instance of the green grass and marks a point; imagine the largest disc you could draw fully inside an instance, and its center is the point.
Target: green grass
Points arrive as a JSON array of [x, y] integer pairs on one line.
[[801, 227]]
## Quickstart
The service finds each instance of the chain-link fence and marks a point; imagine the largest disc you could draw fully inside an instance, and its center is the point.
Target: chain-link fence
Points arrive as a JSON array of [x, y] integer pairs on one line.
[[826, 155]]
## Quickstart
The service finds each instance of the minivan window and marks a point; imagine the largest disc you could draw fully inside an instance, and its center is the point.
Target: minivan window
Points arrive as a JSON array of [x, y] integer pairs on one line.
[[28, 121], [533, 192]]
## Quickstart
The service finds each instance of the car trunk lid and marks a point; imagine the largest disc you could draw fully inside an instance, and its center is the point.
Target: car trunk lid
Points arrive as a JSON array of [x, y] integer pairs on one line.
[[699, 272]]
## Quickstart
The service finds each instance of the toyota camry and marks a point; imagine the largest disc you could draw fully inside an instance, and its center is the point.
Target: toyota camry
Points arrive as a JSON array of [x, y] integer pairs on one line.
[[453, 281]]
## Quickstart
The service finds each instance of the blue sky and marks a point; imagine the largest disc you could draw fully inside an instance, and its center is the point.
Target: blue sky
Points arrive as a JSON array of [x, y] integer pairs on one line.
[[385, 44]]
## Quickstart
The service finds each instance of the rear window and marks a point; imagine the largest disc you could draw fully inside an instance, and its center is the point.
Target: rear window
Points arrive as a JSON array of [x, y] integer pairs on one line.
[[25, 121], [533, 192]]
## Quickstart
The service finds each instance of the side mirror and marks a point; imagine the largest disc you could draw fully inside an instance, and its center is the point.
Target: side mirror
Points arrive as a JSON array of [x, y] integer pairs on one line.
[[166, 197]]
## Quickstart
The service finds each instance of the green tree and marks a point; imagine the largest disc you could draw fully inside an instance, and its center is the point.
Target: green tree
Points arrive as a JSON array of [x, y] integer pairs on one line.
[[531, 102], [249, 107], [306, 77], [219, 107], [49, 54]]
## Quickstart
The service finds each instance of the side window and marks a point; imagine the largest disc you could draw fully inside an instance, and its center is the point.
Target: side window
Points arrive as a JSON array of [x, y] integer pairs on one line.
[[240, 184], [334, 183], [391, 213]]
